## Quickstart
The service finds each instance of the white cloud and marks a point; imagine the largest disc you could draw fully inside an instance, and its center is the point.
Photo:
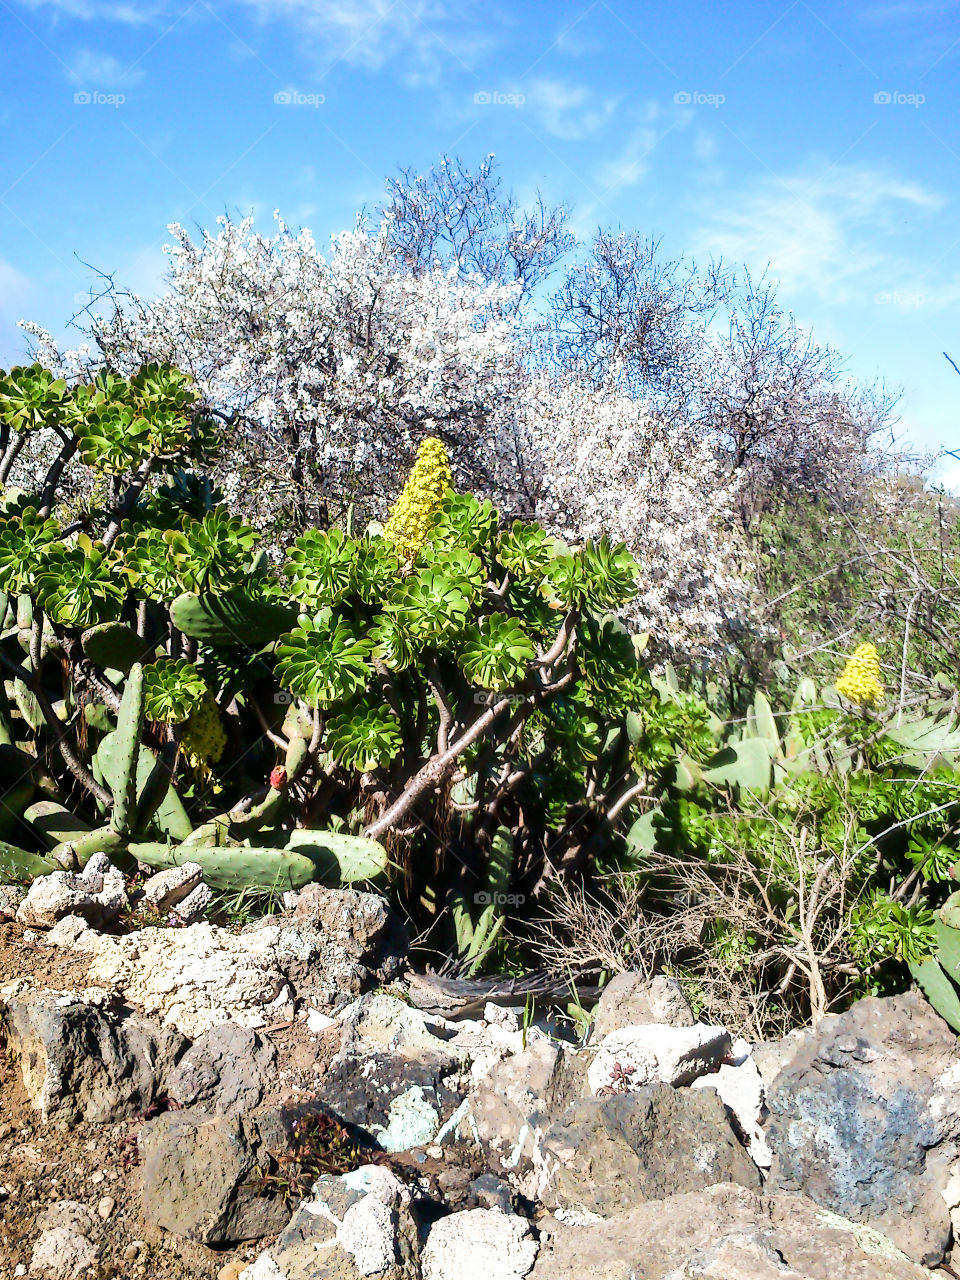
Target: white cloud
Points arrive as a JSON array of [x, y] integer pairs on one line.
[[630, 165], [88, 67], [422, 34], [825, 232], [568, 111]]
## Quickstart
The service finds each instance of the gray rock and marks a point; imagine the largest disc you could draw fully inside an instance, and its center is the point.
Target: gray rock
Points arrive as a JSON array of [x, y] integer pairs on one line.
[[226, 1070], [97, 893], [11, 895], [199, 1171], [80, 1062], [865, 1120], [514, 1103], [630, 999], [350, 942], [722, 1233], [162, 892], [194, 906], [491, 1192], [479, 1242], [380, 1023], [606, 1154]]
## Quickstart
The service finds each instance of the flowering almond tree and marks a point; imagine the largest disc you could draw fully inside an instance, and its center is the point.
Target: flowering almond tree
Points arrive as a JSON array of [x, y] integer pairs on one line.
[[328, 369]]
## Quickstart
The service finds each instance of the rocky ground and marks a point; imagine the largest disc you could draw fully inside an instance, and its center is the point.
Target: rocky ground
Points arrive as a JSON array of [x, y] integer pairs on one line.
[[286, 1101]]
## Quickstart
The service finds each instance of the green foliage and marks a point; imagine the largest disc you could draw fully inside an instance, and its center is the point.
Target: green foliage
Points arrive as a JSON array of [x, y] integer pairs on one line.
[[30, 397], [173, 690], [820, 833]]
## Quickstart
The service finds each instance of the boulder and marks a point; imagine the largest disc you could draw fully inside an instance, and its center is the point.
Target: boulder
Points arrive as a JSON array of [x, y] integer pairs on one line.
[[479, 1242], [865, 1120], [400, 1102], [227, 1070], [513, 1105], [199, 1174], [97, 894], [83, 1062], [724, 1232], [631, 999], [629, 1059], [607, 1154]]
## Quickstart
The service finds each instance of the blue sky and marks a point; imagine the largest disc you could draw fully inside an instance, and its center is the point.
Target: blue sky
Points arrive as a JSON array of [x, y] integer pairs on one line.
[[823, 140]]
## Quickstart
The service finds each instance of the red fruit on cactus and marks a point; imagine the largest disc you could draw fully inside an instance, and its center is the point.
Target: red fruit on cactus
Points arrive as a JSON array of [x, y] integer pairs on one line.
[[278, 778]]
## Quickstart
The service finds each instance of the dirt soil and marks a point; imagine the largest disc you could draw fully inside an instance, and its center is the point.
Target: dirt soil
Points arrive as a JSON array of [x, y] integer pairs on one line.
[[99, 1164]]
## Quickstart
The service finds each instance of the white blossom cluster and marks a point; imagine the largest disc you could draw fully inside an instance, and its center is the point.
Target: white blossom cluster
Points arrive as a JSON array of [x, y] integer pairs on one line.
[[329, 370], [611, 466]]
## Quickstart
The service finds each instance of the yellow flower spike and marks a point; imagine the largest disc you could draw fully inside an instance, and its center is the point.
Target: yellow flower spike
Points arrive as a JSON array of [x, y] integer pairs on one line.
[[415, 511], [202, 737], [860, 680]]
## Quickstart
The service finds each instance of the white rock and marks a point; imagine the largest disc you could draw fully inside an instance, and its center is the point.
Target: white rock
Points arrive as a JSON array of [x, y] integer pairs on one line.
[[740, 1087], [262, 1268], [318, 1022], [653, 1053], [97, 893], [479, 1243], [197, 977], [71, 1214], [67, 932], [368, 1232], [62, 1254]]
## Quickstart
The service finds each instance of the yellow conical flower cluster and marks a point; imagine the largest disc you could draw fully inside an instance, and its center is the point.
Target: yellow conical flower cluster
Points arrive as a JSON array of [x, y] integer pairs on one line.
[[202, 737], [415, 511], [860, 681]]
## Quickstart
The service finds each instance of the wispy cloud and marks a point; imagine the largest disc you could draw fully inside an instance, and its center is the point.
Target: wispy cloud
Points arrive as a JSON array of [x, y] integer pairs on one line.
[[421, 35], [828, 232], [126, 12], [630, 164], [569, 111], [89, 67]]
